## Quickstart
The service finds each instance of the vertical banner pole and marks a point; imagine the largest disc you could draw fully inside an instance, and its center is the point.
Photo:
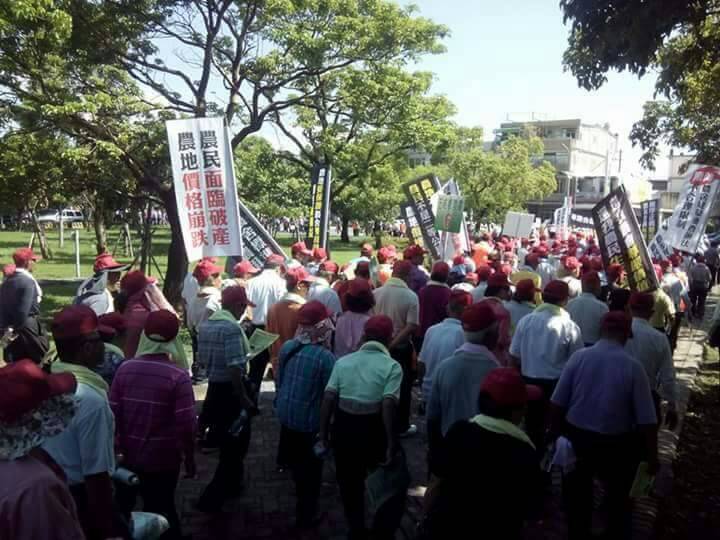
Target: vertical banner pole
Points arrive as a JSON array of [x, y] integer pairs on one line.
[[77, 253]]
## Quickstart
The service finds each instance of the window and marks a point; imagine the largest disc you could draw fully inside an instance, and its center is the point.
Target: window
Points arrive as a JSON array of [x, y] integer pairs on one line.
[[570, 133]]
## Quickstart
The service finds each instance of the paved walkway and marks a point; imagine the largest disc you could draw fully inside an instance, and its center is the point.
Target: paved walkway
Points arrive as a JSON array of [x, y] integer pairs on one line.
[[266, 509]]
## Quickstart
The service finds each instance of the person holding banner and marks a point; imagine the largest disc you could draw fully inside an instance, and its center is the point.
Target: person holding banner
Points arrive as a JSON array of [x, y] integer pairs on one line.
[[418, 276]]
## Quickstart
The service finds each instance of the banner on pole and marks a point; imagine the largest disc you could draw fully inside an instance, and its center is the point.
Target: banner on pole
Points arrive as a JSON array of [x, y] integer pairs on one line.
[[205, 187], [658, 247], [650, 218], [518, 224], [319, 207], [258, 244], [453, 243], [686, 226], [419, 193], [411, 223], [621, 241], [449, 213]]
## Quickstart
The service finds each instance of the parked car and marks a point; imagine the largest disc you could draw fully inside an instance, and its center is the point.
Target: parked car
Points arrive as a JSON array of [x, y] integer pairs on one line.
[[69, 215]]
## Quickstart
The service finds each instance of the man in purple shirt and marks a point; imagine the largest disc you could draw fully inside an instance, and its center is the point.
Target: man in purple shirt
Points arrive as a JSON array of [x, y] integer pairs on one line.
[[154, 408], [418, 276], [434, 298]]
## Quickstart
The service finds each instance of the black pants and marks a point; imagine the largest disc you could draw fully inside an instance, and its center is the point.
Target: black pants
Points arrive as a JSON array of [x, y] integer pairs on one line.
[[697, 298], [675, 330], [612, 458], [120, 525], [359, 445], [713, 273], [403, 355], [31, 342], [306, 470], [220, 410], [536, 419], [157, 490]]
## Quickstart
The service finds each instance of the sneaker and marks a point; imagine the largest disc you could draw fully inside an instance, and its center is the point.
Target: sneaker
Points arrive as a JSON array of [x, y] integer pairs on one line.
[[412, 430]]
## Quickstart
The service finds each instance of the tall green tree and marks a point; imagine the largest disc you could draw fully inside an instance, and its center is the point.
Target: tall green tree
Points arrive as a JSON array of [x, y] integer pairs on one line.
[[677, 40]]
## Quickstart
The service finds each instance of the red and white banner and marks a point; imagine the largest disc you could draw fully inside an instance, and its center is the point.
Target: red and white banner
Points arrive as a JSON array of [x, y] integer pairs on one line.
[[205, 187]]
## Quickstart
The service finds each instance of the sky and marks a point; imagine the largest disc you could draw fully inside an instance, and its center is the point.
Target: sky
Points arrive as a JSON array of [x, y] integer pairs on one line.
[[505, 58]]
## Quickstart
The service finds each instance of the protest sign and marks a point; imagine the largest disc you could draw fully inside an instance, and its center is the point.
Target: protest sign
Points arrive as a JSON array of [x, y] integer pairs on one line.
[[258, 244], [649, 218], [621, 241], [205, 187], [518, 224], [658, 247], [449, 214], [686, 226], [319, 207], [452, 243], [413, 228], [419, 193]]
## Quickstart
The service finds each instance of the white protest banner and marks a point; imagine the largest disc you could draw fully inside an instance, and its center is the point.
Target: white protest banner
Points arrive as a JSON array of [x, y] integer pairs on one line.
[[658, 247], [686, 226], [205, 187], [518, 224]]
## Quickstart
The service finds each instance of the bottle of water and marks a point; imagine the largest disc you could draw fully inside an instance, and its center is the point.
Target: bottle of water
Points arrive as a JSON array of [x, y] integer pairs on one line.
[[8, 337], [239, 424]]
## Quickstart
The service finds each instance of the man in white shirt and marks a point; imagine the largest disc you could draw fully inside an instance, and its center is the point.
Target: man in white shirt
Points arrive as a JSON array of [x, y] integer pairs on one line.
[[651, 348], [542, 344], [441, 340], [586, 310], [678, 293], [483, 272], [571, 267], [545, 268], [322, 291]]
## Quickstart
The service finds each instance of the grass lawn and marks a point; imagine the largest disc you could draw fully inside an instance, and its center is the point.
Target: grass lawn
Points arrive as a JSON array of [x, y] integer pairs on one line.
[[62, 265]]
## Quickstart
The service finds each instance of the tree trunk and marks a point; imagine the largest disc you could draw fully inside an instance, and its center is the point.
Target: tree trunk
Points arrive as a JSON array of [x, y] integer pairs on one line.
[[40, 235], [177, 259], [100, 230], [344, 232]]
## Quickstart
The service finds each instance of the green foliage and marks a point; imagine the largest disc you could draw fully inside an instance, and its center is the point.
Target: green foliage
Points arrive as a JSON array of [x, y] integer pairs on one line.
[[676, 39]]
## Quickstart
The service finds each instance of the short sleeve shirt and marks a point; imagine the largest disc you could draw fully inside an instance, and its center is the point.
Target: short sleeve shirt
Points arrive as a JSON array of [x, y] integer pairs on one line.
[[397, 301], [86, 447], [221, 345], [587, 312]]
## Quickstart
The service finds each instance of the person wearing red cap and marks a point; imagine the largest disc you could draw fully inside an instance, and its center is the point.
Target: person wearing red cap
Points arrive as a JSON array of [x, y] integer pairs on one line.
[[300, 254], [35, 502], [587, 310], [615, 274], [111, 328], [663, 316], [155, 423], [545, 269], [242, 272], [321, 288], [396, 300], [541, 346], [484, 272], [701, 281], [85, 450], [98, 292], [362, 399], [305, 364], [223, 348], [282, 318], [366, 253], [456, 380], [497, 293], [319, 256], [522, 302], [528, 270], [433, 299], [676, 290], [419, 276], [603, 406], [386, 258], [570, 274], [202, 306], [652, 350], [442, 340], [20, 297], [350, 326], [488, 449]]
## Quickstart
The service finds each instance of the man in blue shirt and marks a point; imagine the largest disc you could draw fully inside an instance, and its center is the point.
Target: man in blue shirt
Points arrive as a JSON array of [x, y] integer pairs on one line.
[[305, 365], [603, 405]]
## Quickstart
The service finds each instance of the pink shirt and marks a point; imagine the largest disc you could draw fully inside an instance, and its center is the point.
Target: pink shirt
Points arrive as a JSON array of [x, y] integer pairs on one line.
[[348, 332], [35, 504]]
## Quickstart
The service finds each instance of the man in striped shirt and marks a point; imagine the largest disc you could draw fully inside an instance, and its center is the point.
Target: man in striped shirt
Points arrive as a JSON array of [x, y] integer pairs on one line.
[[154, 407]]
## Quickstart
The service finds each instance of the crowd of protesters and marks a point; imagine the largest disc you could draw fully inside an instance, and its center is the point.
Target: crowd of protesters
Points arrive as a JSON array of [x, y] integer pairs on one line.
[[525, 351]]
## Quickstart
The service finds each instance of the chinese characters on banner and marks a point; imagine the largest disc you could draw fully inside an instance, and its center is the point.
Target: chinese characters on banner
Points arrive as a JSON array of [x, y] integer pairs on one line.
[[413, 227], [419, 192], [449, 213], [319, 207], [205, 188], [686, 226], [452, 243], [258, 244], [659, 248], [649, 218], [621, 241]]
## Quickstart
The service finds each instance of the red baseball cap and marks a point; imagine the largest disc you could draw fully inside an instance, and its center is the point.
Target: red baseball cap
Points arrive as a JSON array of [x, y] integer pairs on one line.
[[379, 328], [615, 270], [596, 264], [676, 259], [162, 325], [319, 254], [74, 322], [329, 266], [8, 270], [402, 268], [134, 282], [459, 260], [362, 269], [22, 256], [659, 272], [478, 317], [298, 275], [301, 248], [484, 272], [541, 251], [111, 324], [571, 263], [617, 321], [366, 250], [358, 287], [525, 289], [106, 262], [499, 279], [235, 296], [558, 290], [442, 269], [642, 301], [24, 386], [460, 298], [413, 250], [204, 270], [591, 278], [312, 313], [385, 255], [244, 267], [275, 259], [506, 388]]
